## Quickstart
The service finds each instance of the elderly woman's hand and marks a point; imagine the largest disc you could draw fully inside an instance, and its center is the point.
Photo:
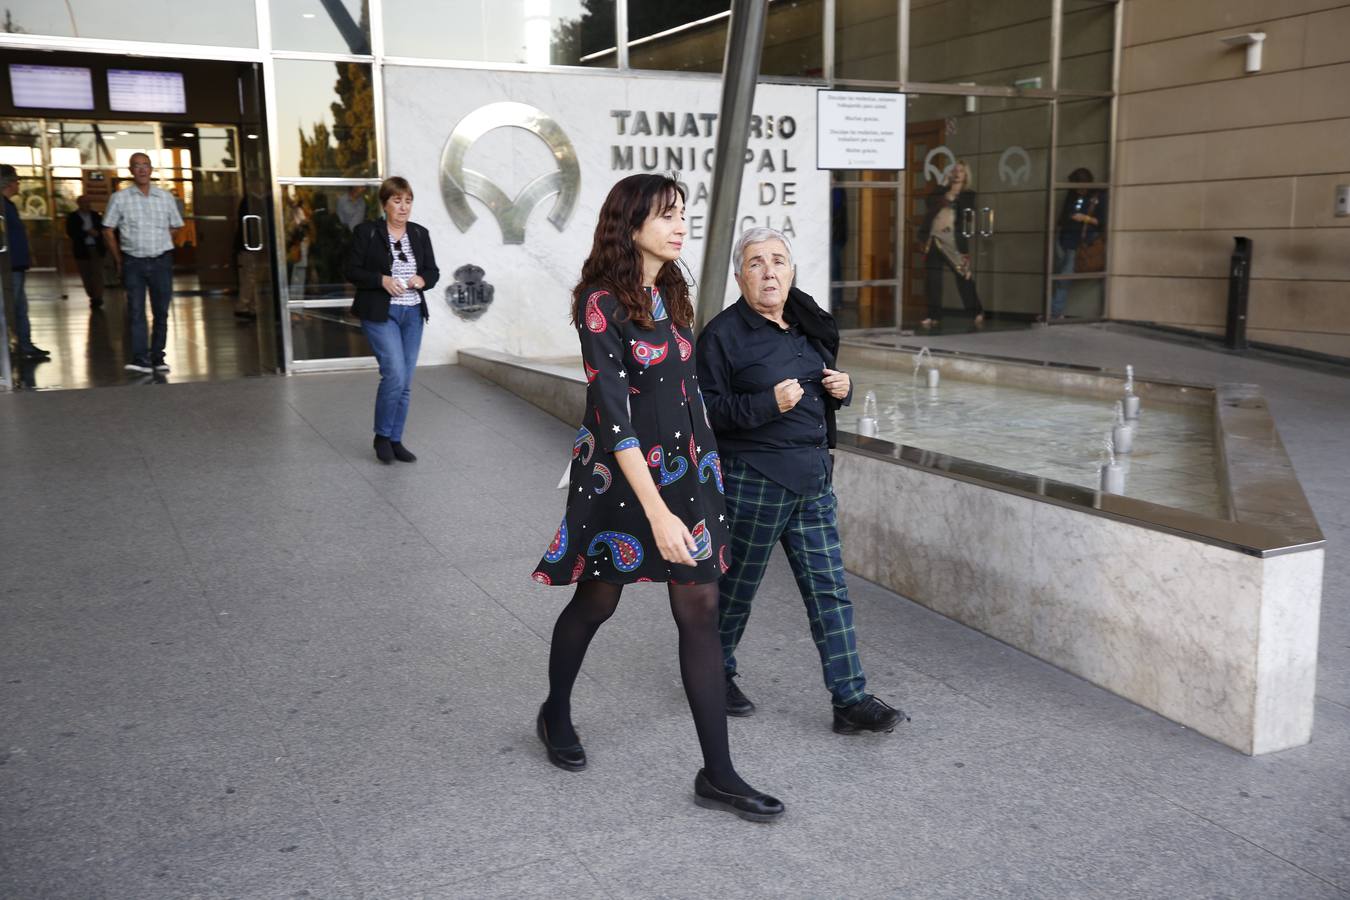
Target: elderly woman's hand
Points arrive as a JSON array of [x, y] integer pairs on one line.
[[837, 384]]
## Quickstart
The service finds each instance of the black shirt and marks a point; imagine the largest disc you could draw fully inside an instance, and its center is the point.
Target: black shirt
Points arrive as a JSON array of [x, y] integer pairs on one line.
[[741, 356]]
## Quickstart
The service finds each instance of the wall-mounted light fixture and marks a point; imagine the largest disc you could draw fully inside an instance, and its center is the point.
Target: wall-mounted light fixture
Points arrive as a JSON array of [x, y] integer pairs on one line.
[[972, 101], [1253, 41]]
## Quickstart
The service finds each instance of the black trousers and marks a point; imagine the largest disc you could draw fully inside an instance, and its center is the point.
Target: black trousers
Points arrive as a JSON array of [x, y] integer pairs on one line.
[[934, 266]]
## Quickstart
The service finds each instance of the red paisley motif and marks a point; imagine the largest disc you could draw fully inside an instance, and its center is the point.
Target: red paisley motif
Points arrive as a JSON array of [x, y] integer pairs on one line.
[[722, 559], [542, 578], [595, 319], [686, 348], [590, 373], [580, 566]]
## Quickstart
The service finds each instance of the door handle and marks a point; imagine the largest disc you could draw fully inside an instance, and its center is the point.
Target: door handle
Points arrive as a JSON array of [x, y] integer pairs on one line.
[[987, 221], [256, 244], [968, 222]]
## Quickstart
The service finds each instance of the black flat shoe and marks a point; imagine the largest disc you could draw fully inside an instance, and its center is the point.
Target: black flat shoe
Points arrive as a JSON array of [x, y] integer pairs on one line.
[[384, 449], [753, 807], [571, 759], [402, 453], [738, 704]]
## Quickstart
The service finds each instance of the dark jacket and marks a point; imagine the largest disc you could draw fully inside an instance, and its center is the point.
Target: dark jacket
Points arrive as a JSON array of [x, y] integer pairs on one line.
[[936, 201], [370, 259], [820, 329], [75, 231], [1072, 233]]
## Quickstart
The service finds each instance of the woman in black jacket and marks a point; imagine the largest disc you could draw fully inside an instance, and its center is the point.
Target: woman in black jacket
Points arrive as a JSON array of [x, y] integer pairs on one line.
[[946, 245], [392, 264]]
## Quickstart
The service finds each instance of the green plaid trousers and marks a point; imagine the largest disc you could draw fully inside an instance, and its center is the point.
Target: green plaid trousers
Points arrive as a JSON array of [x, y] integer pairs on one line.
[[764, 513]]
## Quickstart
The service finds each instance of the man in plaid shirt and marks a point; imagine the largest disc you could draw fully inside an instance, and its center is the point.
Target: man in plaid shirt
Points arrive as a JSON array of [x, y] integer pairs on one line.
[[765, 370], [138, 229]]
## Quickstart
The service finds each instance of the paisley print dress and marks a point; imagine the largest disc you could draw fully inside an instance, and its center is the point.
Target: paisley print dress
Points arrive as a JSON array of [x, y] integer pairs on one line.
[[642, 392]]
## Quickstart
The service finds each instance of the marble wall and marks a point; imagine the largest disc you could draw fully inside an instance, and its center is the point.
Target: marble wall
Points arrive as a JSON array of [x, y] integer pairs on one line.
[[1218, 640], [606, 118]]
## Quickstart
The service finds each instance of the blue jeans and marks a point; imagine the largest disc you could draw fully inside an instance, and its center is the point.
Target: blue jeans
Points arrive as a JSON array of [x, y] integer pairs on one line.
[[23, 331], [155, 273], [395, 343], [1064, 260], [764, 513]]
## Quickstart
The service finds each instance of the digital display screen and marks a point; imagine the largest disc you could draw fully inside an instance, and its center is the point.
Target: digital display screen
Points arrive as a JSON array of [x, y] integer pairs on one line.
[[51, 87], [136, 90]]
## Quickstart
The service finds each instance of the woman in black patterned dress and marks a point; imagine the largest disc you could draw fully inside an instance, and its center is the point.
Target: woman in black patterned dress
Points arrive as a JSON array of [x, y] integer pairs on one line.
[[644, 501]]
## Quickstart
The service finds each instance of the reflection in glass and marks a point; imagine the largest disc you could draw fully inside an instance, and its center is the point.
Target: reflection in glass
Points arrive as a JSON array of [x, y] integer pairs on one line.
[[535, 32], [863, 224], [322, 26], [1084, 298], [1080, 239], [327, 333], [318, 224], [792, 39], [988, 42], [866, 33], [865, 307], [229, 24], [1088, 36], [685, 37], [1084, 138], [325, 118]]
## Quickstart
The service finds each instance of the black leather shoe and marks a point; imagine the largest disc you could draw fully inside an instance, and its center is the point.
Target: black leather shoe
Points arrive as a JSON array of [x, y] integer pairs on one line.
[[737, 703], [572, 759], [868, 714], [402, 453], [753, 807], [384, 449]]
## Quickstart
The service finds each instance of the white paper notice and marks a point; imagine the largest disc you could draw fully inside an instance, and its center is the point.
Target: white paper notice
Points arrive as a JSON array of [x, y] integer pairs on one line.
[[857, 130]]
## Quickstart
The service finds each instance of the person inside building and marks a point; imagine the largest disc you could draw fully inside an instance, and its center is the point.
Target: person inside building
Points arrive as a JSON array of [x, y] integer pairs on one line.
[[19, 260], [1080, 244], [947, 245], [84, 228]]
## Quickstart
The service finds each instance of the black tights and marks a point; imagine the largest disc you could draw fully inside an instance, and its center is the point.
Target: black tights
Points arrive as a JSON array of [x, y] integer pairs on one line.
[[694, 607]]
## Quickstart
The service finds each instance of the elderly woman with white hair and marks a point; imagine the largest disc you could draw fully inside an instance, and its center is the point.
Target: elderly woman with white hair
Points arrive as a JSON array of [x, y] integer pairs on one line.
[[766, 371]]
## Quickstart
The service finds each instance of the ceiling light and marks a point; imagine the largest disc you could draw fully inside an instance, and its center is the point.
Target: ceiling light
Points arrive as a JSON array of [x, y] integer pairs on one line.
[[307, 15], [124, 133], [251, 137], [188, 134]]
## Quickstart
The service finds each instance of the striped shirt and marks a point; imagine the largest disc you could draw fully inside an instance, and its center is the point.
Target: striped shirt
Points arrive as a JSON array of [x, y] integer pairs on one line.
[[143, 220], [402, 271]]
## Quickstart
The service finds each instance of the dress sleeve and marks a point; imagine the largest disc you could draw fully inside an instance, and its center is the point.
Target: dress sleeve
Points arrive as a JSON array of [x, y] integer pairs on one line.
[[602, 354]]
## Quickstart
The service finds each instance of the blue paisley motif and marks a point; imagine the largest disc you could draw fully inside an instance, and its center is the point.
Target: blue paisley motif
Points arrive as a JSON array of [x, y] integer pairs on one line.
[[583, 447], [558, 548], [602, 472], [625, 551], [656, 458], [628, 443], [702, 540], [710, 466]]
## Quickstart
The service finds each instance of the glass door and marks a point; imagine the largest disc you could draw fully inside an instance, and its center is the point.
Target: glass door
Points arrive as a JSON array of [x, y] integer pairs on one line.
[[975, 252], [254, 243]]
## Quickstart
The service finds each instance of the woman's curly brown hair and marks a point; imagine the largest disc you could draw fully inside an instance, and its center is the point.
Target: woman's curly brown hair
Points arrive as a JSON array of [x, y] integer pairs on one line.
[[615, 262]]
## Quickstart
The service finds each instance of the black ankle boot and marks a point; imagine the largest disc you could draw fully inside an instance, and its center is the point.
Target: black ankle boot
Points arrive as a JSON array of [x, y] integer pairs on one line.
[[402, 453], [384, 449]]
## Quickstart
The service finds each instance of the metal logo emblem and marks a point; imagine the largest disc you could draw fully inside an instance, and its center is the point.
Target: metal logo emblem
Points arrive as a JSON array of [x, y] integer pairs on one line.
[[931, 172], [459, 183], [470, 296], [1010, 173]]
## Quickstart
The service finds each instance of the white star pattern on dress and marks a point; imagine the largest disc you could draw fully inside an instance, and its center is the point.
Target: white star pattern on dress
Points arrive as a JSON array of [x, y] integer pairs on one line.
[[677, 435], [596, 572], [623, 374], [622, 504], [721, 518], [631, 342], [616, 429]]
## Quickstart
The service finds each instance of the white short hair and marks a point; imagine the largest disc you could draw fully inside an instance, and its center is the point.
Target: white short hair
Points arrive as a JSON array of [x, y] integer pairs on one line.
[[758, 236]]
